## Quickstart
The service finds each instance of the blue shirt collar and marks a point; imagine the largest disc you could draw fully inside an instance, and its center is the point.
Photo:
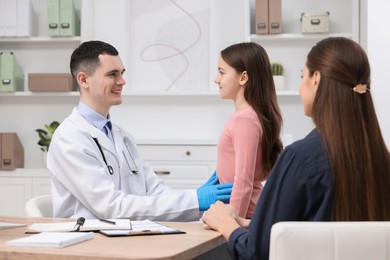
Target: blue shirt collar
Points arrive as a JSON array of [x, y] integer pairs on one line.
[[92, 116]]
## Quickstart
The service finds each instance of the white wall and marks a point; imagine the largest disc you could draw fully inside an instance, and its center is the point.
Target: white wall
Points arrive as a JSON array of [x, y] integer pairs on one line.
[[378, 49], [170, 118]]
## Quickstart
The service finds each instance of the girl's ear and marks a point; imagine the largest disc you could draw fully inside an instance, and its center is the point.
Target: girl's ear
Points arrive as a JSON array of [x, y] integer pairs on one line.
[[243, 78]]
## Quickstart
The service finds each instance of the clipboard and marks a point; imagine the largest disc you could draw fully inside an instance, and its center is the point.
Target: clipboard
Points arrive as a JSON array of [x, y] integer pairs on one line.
[[125, 233], [142, 228]]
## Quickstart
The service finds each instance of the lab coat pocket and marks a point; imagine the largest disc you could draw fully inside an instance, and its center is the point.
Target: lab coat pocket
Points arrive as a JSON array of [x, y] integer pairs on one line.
[[134, 182]]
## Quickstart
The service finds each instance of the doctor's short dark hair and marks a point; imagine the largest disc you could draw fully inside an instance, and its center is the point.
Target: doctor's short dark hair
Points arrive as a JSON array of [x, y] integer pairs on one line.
[[86, 56]]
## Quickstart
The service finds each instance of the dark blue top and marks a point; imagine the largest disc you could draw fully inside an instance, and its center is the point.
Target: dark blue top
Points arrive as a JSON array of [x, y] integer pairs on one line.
[[299, 189]]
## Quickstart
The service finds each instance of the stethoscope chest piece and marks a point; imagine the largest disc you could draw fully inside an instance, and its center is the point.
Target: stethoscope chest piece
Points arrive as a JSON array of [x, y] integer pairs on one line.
[[110, 169]]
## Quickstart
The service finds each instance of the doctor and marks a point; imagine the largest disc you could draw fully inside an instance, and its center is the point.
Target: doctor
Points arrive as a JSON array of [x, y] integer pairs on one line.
[[95, 167]]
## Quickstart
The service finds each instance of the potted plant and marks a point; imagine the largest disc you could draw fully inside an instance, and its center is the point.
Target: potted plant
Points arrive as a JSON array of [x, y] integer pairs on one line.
[[46, 134], [277, 72]]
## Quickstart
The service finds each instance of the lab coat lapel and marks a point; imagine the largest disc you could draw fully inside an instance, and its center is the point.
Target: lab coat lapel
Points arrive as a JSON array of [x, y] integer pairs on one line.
[[118, 138], [105, 142]]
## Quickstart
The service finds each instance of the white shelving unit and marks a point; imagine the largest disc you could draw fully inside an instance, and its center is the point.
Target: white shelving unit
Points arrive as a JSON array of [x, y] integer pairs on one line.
[[291, 46]]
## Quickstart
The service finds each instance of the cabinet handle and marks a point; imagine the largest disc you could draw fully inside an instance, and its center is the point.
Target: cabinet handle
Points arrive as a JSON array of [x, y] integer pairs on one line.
[[162, 172], [188, 153]]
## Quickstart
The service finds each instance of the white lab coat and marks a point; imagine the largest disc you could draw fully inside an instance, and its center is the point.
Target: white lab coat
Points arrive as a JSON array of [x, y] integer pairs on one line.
[[83, 187]]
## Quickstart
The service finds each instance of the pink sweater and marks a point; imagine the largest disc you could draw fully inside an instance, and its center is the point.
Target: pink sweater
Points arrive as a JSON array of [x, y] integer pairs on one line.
[[239, 160]]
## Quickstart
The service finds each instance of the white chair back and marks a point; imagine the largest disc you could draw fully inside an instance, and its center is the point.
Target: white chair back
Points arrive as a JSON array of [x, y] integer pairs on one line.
[[40, 206], [330, 241]]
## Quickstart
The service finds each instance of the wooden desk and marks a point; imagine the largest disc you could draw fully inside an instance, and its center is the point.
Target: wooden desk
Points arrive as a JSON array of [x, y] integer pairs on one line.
[[195, 243]]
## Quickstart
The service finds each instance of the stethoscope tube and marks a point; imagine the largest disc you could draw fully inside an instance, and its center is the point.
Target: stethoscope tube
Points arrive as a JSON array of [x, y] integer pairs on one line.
[[134, 169], [109, 167]]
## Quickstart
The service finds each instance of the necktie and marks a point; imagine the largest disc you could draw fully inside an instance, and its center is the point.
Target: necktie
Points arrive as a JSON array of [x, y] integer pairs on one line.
[[107, 130]]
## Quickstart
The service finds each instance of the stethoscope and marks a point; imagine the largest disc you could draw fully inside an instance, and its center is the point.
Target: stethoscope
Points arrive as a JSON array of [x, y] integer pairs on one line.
[[133, 167]]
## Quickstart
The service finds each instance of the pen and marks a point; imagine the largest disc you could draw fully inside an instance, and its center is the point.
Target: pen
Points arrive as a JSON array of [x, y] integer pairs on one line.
[[107, 221], [80, 221]]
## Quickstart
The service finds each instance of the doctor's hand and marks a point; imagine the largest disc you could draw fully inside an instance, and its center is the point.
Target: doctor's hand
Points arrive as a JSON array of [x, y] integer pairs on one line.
[[212, 180], [211, 193]]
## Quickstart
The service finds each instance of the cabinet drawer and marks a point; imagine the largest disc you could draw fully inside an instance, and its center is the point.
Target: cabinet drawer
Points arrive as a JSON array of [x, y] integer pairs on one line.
[[178, 152], [187, 176]]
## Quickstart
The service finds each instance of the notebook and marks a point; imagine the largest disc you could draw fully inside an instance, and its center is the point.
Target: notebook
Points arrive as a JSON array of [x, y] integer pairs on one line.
[[52, 239], [88, 225]]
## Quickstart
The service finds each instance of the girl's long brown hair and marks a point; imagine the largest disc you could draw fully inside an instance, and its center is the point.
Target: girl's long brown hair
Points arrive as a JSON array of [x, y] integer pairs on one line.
[[347, 122], [260, 94]]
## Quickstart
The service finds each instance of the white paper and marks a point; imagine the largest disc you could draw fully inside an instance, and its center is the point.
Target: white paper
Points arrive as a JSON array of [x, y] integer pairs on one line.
[[143, 226], [52, 239], [5, 225]]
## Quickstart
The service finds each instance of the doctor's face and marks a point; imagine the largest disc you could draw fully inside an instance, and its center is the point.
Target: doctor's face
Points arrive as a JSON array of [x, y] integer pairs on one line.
[[103, 88]]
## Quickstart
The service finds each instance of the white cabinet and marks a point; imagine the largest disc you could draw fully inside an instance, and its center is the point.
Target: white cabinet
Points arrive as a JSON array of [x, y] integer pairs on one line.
[[14, 193], [181, 166], [291, 46], [17, 187]]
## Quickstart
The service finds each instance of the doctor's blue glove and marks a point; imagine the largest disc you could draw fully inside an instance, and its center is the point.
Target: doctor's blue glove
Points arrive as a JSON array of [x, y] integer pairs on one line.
[[212, 180], [209, 194]]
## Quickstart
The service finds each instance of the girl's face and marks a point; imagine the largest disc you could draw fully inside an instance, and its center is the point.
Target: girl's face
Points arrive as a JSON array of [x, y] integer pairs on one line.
[[308, 89], [229, 81]]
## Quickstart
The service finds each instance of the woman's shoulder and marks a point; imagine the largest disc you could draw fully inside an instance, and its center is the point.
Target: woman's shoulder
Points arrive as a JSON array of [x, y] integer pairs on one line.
[[307, 144], [308, 154]]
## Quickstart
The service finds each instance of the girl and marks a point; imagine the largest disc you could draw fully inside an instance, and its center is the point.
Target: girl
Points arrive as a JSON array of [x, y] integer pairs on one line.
[[250, 142]]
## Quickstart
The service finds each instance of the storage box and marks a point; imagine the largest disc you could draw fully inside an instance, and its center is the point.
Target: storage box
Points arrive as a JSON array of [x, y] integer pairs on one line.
[[51, 82], [11, 75], [315, 22], [11, 152]]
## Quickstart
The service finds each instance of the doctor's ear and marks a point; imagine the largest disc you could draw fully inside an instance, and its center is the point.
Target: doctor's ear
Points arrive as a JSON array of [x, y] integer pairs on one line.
[[82, 79]]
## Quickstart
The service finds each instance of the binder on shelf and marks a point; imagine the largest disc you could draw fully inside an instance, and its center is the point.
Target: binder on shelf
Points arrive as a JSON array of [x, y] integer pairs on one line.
[[9, 18], [11, 152], [24, 17], [15, 18], [62, 18], [261, 17], [69, 24], [11, 75], [275, 16], [53, 17], [2, 17]]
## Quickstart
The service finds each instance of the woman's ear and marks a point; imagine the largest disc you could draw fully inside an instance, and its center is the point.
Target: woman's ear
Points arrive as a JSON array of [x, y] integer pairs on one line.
[[243, 78], [316, 79]]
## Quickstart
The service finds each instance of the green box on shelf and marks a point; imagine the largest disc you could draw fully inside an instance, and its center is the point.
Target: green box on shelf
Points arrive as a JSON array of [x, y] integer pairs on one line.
[[62, 18], [11, 75]]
